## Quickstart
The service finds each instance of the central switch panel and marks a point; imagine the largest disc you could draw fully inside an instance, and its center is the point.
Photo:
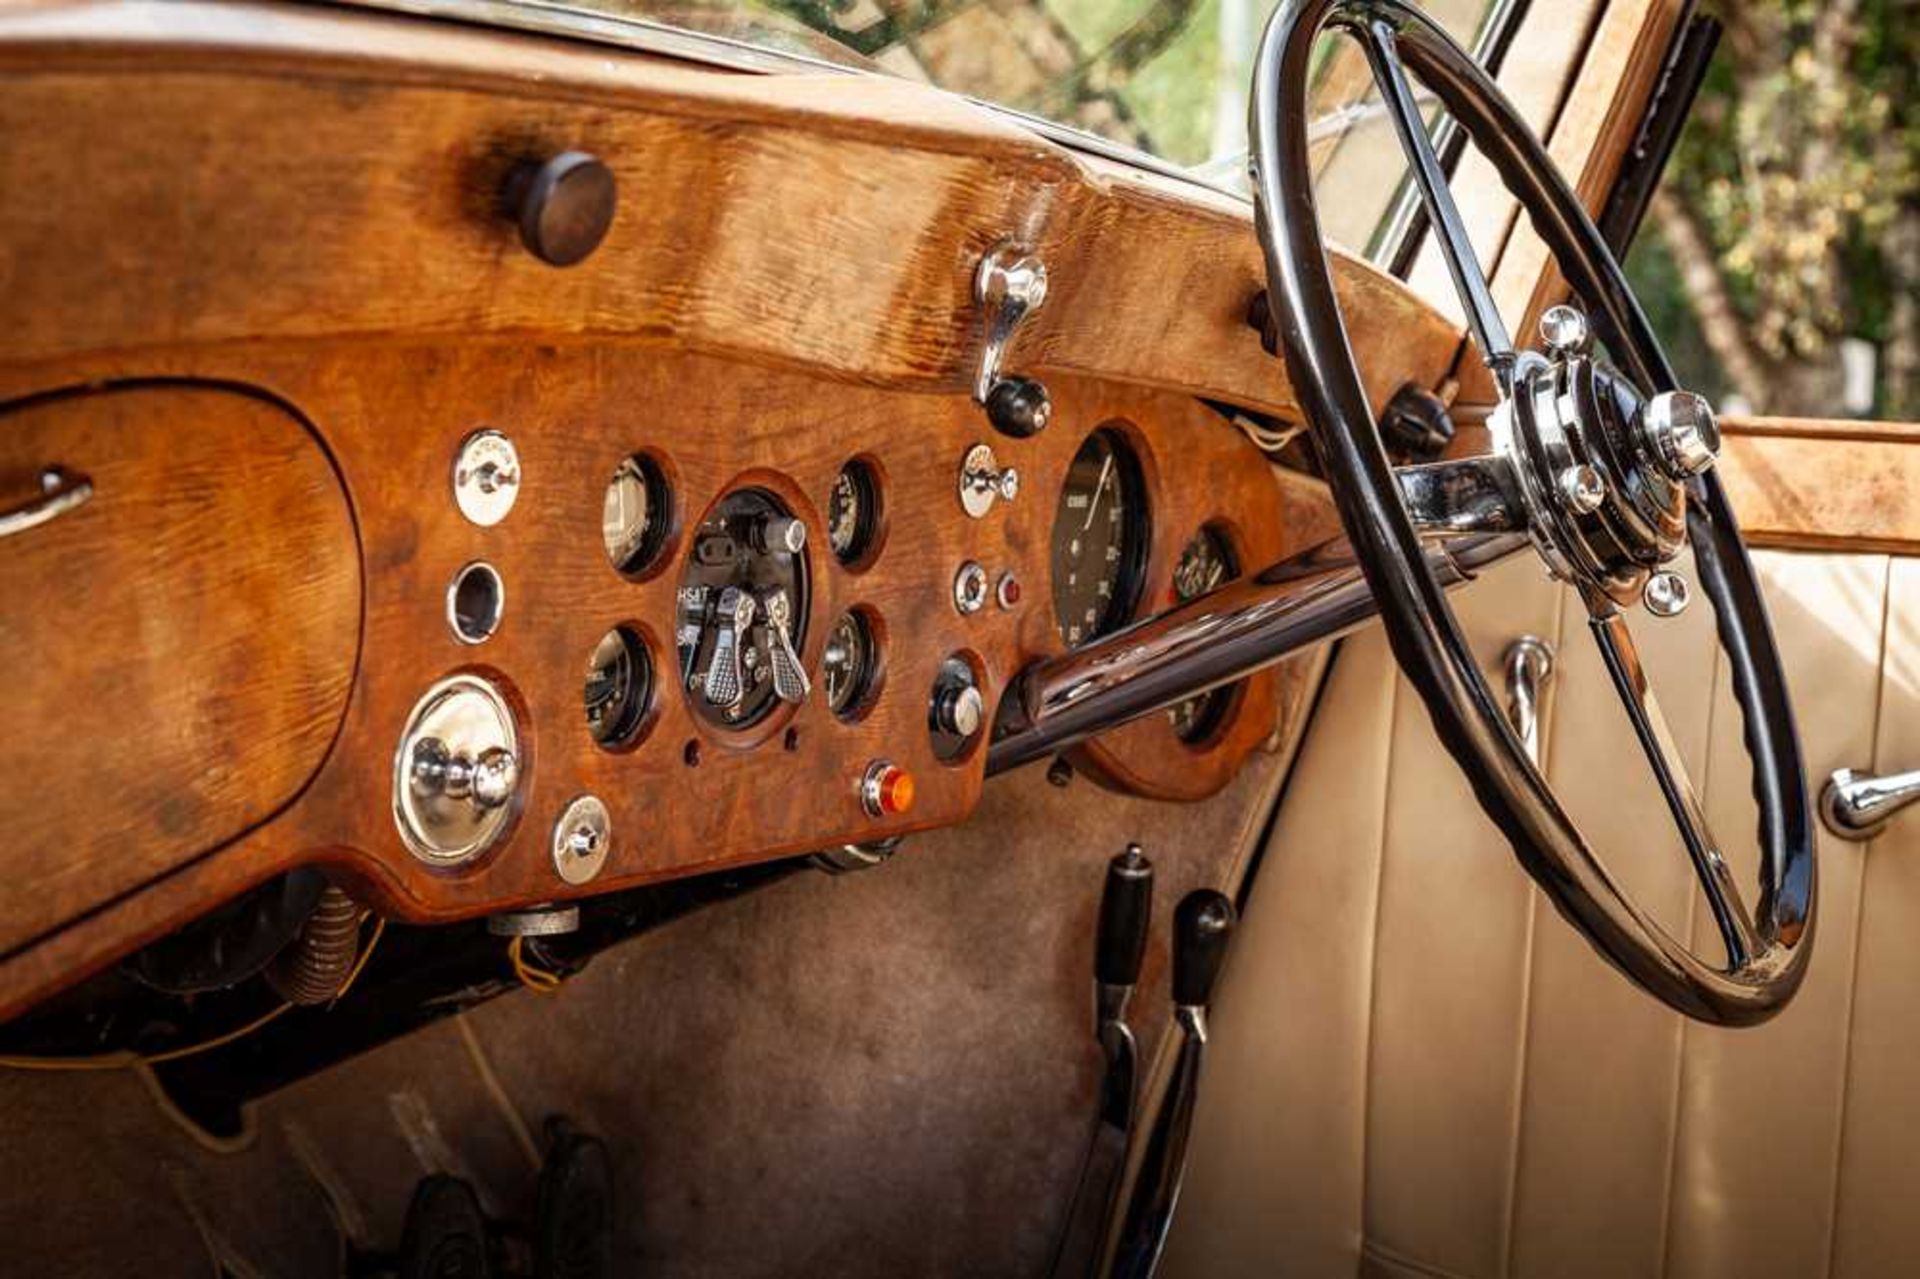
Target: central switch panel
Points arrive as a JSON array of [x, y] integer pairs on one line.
[[743, 610]]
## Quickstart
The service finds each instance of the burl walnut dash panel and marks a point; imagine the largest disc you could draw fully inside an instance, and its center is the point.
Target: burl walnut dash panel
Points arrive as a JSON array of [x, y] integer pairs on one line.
[[177, 650], [392, 417]]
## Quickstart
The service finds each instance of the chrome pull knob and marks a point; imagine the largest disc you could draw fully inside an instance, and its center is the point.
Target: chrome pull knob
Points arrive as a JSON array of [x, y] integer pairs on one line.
[[779, 535], [958, 709], [486, 780], [61, 491], [790, 683], [1857, 806], [724, 681]]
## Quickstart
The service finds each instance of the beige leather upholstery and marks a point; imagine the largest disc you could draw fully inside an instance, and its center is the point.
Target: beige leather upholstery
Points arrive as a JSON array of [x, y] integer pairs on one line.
[[1419, 1068]]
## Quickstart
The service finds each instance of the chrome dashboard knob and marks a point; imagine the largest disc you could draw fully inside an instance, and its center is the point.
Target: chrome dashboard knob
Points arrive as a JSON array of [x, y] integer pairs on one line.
[[457, 771], [1679, 430], [958, 709]]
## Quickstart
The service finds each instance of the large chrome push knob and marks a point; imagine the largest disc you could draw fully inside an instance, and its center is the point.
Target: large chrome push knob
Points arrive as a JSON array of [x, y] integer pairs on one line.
[[457, 771]]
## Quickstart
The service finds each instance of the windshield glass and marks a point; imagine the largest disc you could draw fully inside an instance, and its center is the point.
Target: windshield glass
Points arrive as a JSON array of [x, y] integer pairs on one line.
[[1165, 77]]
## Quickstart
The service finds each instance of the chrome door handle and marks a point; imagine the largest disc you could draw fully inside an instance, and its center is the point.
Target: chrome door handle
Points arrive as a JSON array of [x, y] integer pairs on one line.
[[1857, 806], [61, 491], [1529, 666]]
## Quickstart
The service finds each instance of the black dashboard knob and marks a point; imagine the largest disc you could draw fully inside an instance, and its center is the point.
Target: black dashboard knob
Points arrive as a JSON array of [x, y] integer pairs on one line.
[[564, 206], [1019, 406]]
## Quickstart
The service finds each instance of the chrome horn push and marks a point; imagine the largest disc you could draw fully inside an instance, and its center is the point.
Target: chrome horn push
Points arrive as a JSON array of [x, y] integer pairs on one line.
[[1592, 471]]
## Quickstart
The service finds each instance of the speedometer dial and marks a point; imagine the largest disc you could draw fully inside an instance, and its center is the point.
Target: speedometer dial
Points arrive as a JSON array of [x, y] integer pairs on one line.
[[1099, 539]]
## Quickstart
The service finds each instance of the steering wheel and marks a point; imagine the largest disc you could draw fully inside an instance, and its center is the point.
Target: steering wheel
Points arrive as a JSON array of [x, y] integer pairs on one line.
[[1608, 473]]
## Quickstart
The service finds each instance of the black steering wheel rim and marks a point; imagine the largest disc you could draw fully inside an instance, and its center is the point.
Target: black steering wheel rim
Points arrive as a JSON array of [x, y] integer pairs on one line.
[[1768, 949]]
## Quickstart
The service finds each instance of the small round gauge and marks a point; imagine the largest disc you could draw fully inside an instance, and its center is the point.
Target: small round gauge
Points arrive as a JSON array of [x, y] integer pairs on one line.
[[619, 687], [634, 514], [853, 510], [847, 666], [1204, 563], [1099, 539]]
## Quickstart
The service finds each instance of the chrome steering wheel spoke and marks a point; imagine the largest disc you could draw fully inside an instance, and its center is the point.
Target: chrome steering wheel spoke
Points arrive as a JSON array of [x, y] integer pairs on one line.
[[1379, 40], [1622, 659]]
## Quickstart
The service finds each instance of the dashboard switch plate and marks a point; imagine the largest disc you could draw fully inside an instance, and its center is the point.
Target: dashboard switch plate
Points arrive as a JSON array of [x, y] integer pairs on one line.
[[486, 477], [581, 839]]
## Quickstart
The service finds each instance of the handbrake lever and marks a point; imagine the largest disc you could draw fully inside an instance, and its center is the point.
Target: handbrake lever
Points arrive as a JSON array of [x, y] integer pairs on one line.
[[1126, 904], [1202, 926]]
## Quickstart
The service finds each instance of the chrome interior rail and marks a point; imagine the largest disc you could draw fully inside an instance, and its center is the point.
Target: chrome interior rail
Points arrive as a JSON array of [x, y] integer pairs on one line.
[[1215, 639]]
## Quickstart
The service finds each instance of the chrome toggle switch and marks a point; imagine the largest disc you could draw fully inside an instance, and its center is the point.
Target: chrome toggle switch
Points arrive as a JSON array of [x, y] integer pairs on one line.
[[790, 683], [724, 681], [982, 480]]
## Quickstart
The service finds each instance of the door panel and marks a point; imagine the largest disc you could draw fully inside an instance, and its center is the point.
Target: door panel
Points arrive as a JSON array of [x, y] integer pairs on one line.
[[1417, 1061]]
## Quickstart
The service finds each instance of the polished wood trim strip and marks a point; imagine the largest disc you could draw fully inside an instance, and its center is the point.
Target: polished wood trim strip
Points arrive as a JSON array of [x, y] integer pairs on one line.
[[1826, 492], [1814, 428]]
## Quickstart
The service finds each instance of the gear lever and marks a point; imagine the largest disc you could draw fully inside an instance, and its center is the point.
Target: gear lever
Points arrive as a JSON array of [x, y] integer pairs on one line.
[[1202, 926], [1125, 906]]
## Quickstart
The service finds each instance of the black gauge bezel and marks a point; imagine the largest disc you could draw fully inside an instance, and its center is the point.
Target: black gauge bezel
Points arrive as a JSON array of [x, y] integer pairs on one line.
[[870, 525], [867, 688], [1136, 539], [638, 715], [650, 555]]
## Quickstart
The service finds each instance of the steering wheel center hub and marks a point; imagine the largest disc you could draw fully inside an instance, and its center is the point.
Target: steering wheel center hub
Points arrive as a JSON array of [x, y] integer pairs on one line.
[[1601, 469]]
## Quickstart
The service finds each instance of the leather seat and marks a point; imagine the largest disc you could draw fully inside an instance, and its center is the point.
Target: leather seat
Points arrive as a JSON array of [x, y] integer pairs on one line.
[[1418, 1069]]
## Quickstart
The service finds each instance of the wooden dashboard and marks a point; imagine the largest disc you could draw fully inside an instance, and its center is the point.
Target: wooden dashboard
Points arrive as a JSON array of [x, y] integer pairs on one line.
[[262, 290]]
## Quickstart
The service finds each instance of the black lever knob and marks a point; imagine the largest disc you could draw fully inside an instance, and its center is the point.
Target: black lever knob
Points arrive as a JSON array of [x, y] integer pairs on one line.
[[1202, 926], [1019, 406], [1126, 903]]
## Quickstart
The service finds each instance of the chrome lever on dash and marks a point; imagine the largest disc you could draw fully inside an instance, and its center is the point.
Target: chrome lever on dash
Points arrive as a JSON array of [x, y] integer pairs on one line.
[[790, 683], [725, 683], [1008, 286]]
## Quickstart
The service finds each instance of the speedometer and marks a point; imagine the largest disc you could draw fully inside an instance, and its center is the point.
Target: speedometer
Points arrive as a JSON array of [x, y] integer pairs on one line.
[[1099, 539]]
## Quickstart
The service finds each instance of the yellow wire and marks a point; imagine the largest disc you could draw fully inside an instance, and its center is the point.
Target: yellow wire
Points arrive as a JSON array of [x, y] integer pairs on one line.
[[122, 1060], [537, 980], [218, 1041]]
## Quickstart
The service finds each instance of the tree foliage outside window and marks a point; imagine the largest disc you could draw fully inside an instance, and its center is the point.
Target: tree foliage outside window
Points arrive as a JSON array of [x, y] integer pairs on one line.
[[1787, 233]]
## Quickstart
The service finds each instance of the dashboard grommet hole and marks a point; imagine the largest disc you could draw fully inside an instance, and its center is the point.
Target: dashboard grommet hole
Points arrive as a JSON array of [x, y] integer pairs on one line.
[[476, 598], [691, 753], [791, 740]]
